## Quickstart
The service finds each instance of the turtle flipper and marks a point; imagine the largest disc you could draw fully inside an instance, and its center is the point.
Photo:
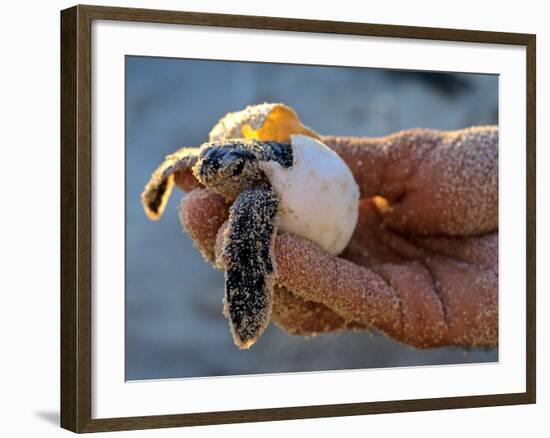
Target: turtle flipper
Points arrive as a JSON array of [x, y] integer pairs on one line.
[[158, 189], [249, 262]]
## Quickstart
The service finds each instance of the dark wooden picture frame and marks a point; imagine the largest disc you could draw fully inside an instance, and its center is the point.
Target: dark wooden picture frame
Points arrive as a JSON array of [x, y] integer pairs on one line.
[[76, 218]]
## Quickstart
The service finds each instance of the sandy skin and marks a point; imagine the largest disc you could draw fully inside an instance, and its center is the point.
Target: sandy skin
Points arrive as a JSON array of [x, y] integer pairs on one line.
[[422, 265]]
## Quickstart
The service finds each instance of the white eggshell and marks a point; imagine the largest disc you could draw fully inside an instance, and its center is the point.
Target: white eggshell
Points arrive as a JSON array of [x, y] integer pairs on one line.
[[319, 196]]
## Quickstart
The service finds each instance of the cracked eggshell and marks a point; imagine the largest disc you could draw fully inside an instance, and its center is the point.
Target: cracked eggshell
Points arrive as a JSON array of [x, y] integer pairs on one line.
[[319, 198]]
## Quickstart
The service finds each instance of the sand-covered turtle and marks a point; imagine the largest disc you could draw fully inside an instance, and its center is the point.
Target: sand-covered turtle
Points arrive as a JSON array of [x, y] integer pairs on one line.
[[278, 176]]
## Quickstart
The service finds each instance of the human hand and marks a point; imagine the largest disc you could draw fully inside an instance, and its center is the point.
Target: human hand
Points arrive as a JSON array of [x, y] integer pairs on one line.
[[422, 265]]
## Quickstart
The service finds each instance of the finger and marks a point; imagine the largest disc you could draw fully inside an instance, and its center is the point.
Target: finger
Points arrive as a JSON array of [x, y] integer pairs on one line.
[[373, 243], [186, 181], [481, 251], [469, 295], [436, 182], [355, 293], [306, 318], [202, 213], [440, 303]]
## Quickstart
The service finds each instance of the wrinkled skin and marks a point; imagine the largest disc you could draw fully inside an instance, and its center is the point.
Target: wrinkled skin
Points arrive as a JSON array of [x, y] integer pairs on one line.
[[422, 265]]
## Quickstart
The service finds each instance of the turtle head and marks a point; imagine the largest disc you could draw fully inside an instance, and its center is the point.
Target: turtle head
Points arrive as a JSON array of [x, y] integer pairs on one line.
[[228, 168]]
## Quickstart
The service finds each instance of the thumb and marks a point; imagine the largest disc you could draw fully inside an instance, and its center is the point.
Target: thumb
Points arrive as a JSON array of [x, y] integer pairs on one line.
[[435, 182]]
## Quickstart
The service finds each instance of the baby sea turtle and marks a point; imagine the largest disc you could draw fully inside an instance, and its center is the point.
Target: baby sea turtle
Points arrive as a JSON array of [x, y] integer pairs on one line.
[[301, 187]]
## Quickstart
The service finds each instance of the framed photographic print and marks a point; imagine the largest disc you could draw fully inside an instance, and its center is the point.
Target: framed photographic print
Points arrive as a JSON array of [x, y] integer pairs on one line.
[[267, 218]]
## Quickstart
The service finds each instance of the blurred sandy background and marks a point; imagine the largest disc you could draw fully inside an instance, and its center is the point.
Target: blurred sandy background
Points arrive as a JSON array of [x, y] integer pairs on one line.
[[174, 321]]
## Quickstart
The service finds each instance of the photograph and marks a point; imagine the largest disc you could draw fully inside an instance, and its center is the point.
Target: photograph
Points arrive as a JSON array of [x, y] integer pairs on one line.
[[293, 218]]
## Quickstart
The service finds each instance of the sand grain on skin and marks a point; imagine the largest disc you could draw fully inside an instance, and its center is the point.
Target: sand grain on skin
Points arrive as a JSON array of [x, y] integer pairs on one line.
[[202, 212], [436, 182]]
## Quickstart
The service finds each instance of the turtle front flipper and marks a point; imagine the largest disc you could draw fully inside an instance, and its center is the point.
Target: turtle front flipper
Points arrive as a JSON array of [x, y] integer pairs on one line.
[[158, 189], [249, 263]]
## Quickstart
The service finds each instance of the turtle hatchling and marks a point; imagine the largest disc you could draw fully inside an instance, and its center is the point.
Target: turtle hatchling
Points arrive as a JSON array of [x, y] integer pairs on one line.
[[300, 187]]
